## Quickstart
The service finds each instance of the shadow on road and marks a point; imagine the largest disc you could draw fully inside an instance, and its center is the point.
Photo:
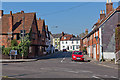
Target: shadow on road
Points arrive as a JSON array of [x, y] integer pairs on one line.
[[58, 54]]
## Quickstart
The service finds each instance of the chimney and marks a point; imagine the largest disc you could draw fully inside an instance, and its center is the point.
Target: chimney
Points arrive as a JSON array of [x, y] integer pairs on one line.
[[62, 33], [1, 13], [39, 18], [109, 7], [10, 12], [10, 23], [22, 12], [46, 27], [86, 32], [102, 14]]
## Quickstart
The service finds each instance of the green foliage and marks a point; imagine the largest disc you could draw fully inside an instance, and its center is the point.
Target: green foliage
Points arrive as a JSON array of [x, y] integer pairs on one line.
[[84, 49], [14, 43], [24, 45], [22, 48], [6, 51]]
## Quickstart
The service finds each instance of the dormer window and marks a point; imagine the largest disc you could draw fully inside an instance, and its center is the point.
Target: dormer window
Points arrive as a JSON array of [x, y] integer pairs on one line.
[[64, 37]]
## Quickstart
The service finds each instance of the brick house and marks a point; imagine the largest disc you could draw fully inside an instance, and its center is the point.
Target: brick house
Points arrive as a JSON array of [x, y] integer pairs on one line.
[[101, 40], [12, 27]]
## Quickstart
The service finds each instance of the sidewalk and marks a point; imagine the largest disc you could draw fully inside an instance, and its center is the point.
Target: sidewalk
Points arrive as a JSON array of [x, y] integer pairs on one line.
[[22, 60], [109, 64]]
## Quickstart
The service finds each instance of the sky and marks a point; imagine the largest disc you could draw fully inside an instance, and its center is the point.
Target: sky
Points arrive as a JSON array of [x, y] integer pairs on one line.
[[69, 17]]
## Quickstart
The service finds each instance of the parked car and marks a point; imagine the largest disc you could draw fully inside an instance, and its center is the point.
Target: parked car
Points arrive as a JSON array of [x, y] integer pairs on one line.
[[56, 50], [64, 50], [77, 56]]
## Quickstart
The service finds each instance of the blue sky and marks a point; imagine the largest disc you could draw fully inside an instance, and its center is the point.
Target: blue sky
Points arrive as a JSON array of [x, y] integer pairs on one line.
[[70, 17]]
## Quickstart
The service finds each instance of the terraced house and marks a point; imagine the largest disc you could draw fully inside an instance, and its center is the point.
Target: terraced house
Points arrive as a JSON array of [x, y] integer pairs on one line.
[[13, 25], [100, 42]]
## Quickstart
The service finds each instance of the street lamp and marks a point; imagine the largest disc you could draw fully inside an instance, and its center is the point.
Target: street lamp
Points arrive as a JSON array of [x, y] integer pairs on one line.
[[100, 46]]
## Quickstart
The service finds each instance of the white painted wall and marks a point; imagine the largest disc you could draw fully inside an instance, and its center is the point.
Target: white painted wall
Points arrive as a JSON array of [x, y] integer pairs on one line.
[[109, 55], [70, 45]]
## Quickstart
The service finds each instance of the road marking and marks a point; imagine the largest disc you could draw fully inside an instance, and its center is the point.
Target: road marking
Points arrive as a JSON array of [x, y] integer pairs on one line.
[[107, 66], [63, 59], [95, 77], [73, 71], [113, 77]]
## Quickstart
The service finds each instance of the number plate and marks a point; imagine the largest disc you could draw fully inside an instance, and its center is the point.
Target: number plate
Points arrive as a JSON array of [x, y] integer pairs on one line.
[[78, 58]]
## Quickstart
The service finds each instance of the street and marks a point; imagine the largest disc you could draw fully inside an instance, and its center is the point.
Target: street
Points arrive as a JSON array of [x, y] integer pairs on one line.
[[58, 65]]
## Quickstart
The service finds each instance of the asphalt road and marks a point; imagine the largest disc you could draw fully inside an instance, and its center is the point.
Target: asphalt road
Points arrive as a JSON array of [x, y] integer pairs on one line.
[[57, 65]]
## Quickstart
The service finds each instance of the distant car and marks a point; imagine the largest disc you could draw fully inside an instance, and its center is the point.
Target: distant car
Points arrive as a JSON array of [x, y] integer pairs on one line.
[[64, 50], [56, 50], [77, 56]]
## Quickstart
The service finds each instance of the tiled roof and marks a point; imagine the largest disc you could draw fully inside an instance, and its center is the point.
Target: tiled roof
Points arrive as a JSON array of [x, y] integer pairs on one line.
[[57, 35], [41, 25], [68, 37], [102, 21], [18, 22]]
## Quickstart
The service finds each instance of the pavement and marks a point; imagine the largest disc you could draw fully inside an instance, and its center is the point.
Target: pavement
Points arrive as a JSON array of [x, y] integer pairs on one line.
[[110, 64]]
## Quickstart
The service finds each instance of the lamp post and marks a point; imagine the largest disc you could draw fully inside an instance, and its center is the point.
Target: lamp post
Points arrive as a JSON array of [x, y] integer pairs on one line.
[[100, 46]]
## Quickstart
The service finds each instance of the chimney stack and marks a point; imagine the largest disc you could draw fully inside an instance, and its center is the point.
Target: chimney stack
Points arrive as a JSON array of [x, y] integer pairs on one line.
[[109, 7], [1, 13], [10, 12], [86, 31], [62, 33], [22, 11], [10, 23], [102, 14]]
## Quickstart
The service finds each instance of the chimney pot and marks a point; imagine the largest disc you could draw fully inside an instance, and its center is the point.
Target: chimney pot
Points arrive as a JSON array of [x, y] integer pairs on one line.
[[107, 1], [10, 12], [110, 1], [101, 12], [39, 18], [22, 11], [62, 33], [1, 13]]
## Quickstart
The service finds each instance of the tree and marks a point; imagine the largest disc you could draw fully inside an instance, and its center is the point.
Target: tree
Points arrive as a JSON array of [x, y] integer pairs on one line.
[[24, 45]]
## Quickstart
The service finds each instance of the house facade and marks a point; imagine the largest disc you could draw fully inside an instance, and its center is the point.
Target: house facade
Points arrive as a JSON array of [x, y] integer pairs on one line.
[[68, 42], [56, 40], [14, 25], [100, 42], [71, 44]]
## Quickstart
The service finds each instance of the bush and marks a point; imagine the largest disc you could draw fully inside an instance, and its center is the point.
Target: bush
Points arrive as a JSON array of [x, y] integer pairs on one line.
[[6, 51]]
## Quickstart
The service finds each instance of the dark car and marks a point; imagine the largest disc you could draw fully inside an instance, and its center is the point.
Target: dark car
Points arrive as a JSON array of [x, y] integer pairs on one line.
[[56, 50], [64, 50]]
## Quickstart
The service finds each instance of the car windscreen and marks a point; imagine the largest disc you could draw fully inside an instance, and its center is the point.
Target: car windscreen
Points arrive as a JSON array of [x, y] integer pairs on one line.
[[78, 53]]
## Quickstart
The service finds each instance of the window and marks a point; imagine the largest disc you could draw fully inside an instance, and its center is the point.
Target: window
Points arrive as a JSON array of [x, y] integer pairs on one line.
[[33, 36], [76, 42], [62, 42], [64, 37], [66, 42], [72, 42], [70, 47], [63, 46], [22, 32], [55, 43], [77, 47]]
